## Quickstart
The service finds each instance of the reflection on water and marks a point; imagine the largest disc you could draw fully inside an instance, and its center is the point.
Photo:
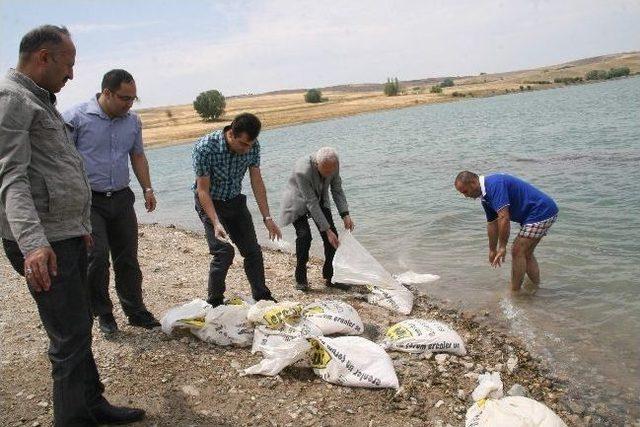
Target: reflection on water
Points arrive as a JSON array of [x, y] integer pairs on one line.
[[579, 144]]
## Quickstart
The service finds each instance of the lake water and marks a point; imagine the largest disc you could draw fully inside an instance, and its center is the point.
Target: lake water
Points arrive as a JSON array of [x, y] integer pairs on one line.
[[579, 144]]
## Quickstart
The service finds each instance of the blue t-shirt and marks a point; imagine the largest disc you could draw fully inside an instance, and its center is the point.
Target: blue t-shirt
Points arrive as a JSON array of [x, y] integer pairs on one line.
[[526, 203]]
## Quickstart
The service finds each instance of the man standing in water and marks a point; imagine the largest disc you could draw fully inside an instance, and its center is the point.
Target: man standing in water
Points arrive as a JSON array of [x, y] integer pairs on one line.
[[45, 206], [507, 198], [220, 161], [307, 195], [107, 134]]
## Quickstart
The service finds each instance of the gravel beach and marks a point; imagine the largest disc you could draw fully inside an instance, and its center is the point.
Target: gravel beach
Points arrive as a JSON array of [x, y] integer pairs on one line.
[[183, 381]]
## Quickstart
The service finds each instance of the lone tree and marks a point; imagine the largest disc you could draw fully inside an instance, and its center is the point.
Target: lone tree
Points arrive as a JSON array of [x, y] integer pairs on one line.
[[392, 87], [210, 105], [448, 82], [313, 96]]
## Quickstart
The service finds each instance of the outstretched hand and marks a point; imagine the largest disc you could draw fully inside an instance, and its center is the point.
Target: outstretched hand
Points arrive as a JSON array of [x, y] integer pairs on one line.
[[348, 223], [498, 257], [333, 239], [274, 230]]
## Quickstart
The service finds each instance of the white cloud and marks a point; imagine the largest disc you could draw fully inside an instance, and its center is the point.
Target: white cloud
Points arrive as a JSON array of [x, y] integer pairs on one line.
[[85, 28]]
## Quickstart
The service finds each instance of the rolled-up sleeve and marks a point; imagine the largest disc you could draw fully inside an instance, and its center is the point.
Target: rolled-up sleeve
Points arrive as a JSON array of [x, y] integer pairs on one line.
[[15, 190]]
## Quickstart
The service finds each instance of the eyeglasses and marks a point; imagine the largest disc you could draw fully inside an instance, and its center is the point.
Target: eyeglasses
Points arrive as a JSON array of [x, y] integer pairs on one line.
[[127, 98]]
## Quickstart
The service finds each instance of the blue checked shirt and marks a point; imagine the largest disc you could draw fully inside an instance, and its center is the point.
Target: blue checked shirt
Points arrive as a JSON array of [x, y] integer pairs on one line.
[[212, 157]]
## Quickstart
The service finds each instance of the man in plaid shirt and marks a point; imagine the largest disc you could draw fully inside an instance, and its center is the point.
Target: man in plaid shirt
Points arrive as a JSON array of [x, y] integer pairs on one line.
[[220, 161], [508, 198]]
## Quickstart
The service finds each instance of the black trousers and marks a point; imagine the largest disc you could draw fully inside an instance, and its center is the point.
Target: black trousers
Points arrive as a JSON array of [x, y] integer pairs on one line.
[[303, 244], [236, 220], [66, 316], [115, 231]]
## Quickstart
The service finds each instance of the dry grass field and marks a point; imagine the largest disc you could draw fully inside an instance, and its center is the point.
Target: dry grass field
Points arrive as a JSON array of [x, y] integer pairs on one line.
[[180, 123]]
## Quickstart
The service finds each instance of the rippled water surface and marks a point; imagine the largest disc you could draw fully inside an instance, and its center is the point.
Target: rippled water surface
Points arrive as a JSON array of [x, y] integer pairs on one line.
[[581, 145]]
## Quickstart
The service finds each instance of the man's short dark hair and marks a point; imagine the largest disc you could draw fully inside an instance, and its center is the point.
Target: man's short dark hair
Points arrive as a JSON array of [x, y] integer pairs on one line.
[[35, 39], [114, 78], [466, 177], [246, 123]]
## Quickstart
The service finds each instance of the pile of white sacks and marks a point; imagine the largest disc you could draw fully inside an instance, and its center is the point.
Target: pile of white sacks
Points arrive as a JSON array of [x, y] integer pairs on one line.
[[325, 335]]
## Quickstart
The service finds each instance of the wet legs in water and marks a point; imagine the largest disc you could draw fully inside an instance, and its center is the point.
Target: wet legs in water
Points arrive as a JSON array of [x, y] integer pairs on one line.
[[524, 261]]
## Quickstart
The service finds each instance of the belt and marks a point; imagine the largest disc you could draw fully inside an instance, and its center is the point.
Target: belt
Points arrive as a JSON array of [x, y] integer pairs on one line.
[[108, 193]]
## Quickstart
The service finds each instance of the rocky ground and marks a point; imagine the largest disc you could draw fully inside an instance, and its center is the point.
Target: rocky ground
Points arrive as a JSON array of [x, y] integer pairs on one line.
[[182, 381]]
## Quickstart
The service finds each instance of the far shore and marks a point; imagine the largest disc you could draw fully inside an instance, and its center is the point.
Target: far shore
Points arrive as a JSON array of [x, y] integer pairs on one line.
[[179, 124]]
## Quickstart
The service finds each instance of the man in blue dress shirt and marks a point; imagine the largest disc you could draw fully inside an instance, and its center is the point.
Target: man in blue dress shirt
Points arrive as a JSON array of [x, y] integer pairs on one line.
[[508, 198], [107, 135]]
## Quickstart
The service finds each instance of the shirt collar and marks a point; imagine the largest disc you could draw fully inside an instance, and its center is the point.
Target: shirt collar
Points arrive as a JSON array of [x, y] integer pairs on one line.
[[28, 83], [482, 187], [95, 108]]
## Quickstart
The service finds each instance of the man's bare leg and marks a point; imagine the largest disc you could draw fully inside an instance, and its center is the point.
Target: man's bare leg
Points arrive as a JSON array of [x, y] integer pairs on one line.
[[522, 261], [533, 271], [518, 262]]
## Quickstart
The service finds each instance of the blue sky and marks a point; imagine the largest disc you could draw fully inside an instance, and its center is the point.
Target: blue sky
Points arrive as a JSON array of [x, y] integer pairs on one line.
[[176, 49]]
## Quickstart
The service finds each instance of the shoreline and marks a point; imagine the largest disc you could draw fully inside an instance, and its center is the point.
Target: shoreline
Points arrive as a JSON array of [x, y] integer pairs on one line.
[[187, 381], [177, 125]]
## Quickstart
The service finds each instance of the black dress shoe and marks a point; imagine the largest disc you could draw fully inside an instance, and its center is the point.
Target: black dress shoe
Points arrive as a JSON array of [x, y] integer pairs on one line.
[[106, 413], [302, 286], [107, 323], [341, 286], [144, 319]]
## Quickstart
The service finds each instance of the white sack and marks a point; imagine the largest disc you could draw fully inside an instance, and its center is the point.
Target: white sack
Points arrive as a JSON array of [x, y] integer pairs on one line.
[[354, 265], [490, 410], [226, 325], [420, 336], [347, 361], [399, 299], [353, 362], [274, 314], [333, 317], [413, 278], [189, 315], [265, 338]]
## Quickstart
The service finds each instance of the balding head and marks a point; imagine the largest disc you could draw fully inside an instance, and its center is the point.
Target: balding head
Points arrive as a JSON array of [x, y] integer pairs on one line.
[[47, 56], [468, 183], [327, 161]]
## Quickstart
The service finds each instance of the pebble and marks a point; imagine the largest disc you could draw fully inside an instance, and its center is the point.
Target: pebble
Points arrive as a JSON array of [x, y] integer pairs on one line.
[[190, 390], [576, 408], [426, 356], [461, 394], [512, 363], [441, 358], [439, 403], [517, 390], [43, 404], [472, 375], [468, 365]]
